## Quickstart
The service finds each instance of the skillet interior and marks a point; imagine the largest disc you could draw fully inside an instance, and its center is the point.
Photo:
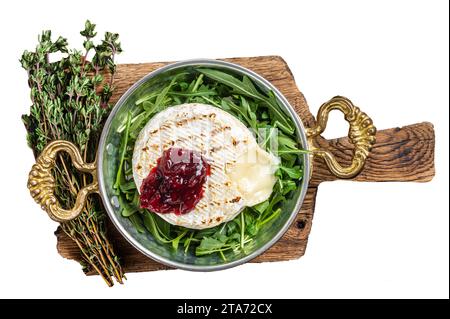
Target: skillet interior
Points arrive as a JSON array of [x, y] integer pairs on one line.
[[108, 155]]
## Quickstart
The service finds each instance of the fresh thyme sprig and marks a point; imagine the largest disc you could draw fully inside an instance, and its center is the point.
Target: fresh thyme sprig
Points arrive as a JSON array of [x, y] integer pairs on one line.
[[69, 101]]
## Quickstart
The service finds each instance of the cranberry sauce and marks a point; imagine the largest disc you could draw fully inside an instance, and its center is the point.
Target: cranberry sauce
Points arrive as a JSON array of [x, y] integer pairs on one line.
[[175, 185]]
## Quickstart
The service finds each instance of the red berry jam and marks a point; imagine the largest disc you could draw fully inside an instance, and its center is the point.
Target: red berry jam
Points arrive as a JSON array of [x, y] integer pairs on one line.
[[175, 185]]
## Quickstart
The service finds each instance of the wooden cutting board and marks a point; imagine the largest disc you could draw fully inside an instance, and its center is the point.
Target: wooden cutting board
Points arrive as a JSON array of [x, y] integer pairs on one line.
[[403, 154]]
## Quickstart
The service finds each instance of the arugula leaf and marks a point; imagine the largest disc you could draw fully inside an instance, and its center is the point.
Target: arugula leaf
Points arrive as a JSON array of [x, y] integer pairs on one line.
[[242, 230], [176, 240], [150, 225], [137, 122], [162, 226], [293, 172], [244, 88], [269, 218], [137, 223], [187, 242], [191, 94], [231, 227], [288, 186], [126, 187], [123, 149], [251, 116], [231, 81], [261, 207], [250, 223], [160, 98], [147, 97], [148, 107], [286, 141], [249, 84], [127, 209], [197, 83], [228, 105], [209, 244]]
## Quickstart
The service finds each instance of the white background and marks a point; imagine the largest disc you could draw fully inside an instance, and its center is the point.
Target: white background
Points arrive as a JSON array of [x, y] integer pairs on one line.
[[389, 57]]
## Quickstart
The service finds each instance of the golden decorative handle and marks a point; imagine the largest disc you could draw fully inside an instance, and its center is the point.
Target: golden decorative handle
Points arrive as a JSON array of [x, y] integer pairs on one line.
[[41, 182], [361, 133]]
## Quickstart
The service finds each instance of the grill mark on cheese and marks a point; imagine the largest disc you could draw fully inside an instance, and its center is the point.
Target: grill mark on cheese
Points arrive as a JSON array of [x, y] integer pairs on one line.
[[167, 144], [220, 129], [213, 203], [215, 149], [188, 120], [166, 125], [236, 199]]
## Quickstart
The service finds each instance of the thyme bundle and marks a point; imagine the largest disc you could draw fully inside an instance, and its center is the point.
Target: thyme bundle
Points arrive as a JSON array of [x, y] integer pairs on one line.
[[70, 102]]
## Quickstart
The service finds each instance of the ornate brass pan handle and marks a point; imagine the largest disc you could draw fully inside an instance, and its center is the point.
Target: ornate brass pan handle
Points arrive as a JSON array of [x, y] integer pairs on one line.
[[41, 182], [361, 133]]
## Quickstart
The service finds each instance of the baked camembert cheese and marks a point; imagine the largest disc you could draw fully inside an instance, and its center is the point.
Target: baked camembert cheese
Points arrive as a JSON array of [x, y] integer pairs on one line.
[[241, 173]]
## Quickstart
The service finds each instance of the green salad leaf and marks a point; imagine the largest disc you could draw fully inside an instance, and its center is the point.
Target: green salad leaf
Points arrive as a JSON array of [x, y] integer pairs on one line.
[[246, 88]]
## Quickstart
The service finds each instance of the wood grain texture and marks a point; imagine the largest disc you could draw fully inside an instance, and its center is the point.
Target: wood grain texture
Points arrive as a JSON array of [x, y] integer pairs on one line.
[[400, 154]]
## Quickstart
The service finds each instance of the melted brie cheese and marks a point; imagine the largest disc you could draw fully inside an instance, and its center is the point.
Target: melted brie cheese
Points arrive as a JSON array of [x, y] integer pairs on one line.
[[253, 175]]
